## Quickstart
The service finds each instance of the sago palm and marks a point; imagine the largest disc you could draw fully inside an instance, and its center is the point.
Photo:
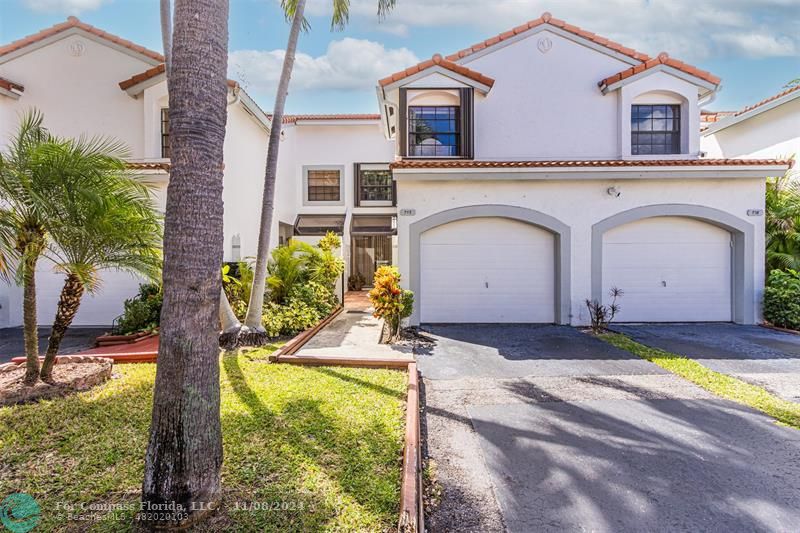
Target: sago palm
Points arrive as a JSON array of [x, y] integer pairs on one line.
[[116, 228]]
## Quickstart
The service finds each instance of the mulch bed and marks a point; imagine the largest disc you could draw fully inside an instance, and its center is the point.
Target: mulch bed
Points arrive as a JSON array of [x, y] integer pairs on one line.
[[69, 377]]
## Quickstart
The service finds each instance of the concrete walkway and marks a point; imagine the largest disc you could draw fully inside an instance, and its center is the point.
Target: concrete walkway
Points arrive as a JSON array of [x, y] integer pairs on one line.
[[354, 333]]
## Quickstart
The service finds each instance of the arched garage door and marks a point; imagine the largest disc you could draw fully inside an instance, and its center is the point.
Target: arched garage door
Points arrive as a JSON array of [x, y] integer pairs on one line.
[[671, 269], [487, 269]]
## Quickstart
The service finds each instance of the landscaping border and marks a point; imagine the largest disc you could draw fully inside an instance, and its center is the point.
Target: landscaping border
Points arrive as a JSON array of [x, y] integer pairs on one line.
[[778, 328], [297, 342]]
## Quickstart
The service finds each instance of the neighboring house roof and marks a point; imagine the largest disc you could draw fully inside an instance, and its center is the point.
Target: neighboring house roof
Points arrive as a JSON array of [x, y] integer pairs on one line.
[[713, 116], [547, 18], [293, 119], [438, 60], [659, 62], [611, 163], [73, 22], [134, 165], [149, 74], [772, 102]]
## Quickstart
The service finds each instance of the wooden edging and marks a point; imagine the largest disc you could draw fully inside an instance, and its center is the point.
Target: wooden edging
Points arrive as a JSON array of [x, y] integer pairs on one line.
[[297, 342], [777, 328]]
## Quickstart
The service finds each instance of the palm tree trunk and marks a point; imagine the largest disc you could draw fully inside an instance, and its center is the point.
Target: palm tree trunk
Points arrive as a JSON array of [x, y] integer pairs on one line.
[[68, 303], [29, 322], [255, 305], [184, 454], [231, 327], [166, 33]]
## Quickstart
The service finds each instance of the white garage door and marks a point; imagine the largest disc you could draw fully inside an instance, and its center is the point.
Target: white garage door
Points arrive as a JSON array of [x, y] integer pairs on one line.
[[671, 269], [487, 270]]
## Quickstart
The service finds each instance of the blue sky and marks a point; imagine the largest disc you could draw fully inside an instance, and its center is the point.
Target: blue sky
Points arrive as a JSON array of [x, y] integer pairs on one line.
[[752, 44]]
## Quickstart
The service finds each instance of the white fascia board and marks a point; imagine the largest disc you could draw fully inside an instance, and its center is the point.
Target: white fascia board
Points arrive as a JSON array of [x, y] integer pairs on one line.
[[731, 120], [555, 30], [587, 173], [11, 94], [135, 90], [672, 71], [83, 33], [252, 109], [338, 122], [438, 69]]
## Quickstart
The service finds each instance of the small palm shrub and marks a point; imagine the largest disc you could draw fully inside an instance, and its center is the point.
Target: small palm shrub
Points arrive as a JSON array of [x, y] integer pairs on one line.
[[782, 299], [601, 315], [391, 302], [237, 281], [782, 223], [143, 312]]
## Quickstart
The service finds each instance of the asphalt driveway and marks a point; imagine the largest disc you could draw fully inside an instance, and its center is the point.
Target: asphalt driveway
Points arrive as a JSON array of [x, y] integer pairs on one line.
[[75, 340], [759, 355], [544, 428]]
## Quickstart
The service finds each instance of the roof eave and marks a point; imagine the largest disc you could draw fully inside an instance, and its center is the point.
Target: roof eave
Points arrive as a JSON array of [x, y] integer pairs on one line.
[[732, 120], [438, 69], [11, 94], [705, 85]]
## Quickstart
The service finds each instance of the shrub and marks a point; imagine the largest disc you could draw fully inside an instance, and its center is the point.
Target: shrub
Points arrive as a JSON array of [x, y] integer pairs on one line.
[[316, 295], [602, 315], [288, 268], [289, 319], [237, 281], [143, 312], [782, 299], [391, 302]]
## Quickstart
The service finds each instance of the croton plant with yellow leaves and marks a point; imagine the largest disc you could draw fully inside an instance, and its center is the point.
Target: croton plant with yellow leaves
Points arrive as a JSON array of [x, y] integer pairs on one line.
[[392, 303]]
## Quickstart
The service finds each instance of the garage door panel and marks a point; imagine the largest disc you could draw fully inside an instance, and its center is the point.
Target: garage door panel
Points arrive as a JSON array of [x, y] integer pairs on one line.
[[670, 269], [487, 270]]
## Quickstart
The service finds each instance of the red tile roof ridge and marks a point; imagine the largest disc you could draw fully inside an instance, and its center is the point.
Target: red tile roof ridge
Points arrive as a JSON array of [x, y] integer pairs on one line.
[[662, 59], [437, 59], [74, 22]]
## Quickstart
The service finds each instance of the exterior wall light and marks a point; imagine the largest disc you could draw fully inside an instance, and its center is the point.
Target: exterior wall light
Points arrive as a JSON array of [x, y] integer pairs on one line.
[[613, 191]]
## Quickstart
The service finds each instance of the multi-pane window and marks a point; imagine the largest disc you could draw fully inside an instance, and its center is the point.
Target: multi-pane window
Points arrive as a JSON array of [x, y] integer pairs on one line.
[[434, 131], [164, 132], [324, 185], [375, 185], [655, 129]]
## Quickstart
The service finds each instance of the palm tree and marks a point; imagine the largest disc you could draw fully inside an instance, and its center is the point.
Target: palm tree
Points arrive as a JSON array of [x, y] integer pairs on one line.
[[184, 453], [122, 232], [25, 183], [782, 223], [294, 10]]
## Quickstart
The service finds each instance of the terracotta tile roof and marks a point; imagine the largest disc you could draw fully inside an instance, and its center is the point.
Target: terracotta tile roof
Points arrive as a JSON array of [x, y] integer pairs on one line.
[[152, 73], [442, 62], [610, 163], [73, 22], [662, 59], [767, 100], [9, 85], [547, 18], [147, 166], [292, 119]]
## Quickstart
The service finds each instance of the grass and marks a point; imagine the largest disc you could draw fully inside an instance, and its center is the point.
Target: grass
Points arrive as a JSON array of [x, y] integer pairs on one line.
[[722, 385], [306, 448]]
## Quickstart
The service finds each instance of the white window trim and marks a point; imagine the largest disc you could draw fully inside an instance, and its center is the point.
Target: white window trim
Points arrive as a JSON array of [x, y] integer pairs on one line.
[[339, 168]]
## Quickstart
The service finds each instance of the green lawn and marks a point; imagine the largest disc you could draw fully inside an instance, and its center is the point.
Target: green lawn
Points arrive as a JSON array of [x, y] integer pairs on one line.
[[306, 448], [722, 385]]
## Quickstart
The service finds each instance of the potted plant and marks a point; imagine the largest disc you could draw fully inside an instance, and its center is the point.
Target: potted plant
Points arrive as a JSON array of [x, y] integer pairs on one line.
[[356, 282]]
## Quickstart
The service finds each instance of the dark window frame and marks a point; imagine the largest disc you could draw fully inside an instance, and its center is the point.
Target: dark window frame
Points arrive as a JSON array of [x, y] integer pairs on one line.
[[360, 187], [453, 116], [165, 146], [656, 129], [330, 194]]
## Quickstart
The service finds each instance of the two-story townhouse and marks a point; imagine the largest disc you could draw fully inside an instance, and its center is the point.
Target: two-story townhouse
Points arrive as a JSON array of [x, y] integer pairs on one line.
[[88, 82], [546, 165], [769, 128]]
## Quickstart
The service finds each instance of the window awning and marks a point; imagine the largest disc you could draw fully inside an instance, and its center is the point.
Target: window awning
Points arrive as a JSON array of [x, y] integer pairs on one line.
[[319, 224], [373, 225]]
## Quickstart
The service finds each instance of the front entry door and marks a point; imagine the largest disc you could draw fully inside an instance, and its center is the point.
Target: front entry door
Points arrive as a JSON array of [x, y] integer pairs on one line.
[[369, 253]]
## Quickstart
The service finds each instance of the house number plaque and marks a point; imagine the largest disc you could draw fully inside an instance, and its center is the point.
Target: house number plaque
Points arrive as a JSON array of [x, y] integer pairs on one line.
[[755, 212], [408, 212]]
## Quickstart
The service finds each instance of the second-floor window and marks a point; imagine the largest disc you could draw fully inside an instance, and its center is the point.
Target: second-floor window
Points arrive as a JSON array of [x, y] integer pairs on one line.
[[655, 129], [434, 131], [374, 183], [324, 185], [164, 132]]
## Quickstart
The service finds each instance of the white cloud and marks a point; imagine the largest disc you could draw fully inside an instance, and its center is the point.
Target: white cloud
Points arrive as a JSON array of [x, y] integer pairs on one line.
[[348, 64], [72, 7], [687, 29]]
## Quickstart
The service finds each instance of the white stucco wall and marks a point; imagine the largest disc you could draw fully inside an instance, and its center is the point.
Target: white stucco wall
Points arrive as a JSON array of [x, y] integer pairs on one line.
[[581, 204], [772, 134], [546, 105]]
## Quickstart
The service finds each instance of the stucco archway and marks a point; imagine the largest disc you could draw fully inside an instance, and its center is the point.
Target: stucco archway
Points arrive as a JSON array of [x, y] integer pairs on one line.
[[742, 233], [560, 231]]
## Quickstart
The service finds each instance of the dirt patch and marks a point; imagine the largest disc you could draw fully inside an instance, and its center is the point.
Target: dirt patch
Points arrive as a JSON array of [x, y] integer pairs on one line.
[[69, 377]]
